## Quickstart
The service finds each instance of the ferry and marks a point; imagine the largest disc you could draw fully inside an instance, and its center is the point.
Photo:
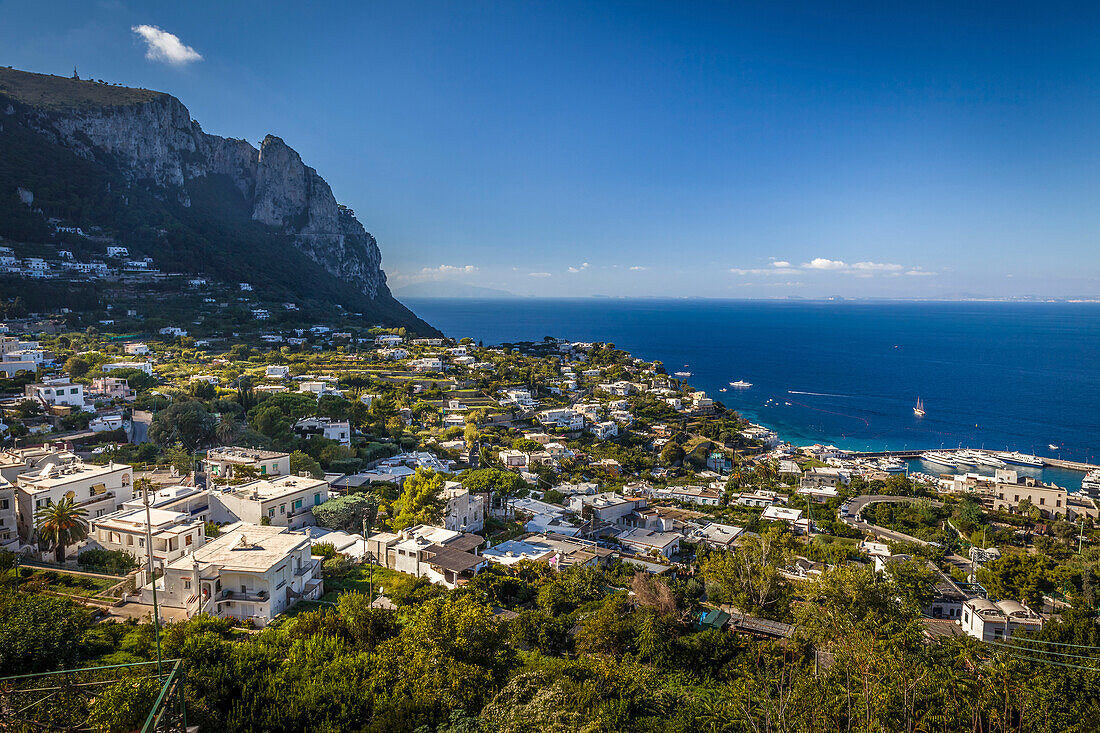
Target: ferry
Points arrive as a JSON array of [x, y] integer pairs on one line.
[[985, 459], [1016, 458], [682, 374], [919, 409], [1090, 484], [939, 458], [741, 383]]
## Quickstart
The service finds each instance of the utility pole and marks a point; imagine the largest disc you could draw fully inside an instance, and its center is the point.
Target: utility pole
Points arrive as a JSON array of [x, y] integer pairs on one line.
[[152, 576], [370, 562]]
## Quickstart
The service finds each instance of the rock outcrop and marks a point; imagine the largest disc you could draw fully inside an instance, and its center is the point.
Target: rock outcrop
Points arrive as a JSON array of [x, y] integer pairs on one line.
[[149, 138]]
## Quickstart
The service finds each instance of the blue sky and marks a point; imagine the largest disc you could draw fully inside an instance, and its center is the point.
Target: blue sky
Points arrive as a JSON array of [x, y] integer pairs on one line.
[[674, 149]]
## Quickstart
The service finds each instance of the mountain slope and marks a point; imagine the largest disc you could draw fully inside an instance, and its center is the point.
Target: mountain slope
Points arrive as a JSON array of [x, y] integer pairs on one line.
[[133, 163]]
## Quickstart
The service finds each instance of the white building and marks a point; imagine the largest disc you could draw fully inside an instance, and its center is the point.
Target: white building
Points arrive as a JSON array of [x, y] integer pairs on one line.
[[646, 541], [277, 371], [175, 534], [285, 501], [563, 417], [105, 423], [98, 490], [996, 621], [141, 366], [221, 462], [444, 556], [136, 349], [714, 535], [9, 527], [56, 392], [465, 511], [251, 573], [326, 427]]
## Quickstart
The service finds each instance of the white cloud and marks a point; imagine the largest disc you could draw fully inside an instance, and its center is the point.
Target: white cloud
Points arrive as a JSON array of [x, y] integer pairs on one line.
[[781, 263], [584, 266], [538, 274], [449, 270], [876, 267], [164, 46], [638, 268], [922, 273], [777, 270], [822, 263]]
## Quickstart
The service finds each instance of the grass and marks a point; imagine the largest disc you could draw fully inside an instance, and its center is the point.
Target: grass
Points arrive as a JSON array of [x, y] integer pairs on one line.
[[357, 580], [60, 93], [81, 586]]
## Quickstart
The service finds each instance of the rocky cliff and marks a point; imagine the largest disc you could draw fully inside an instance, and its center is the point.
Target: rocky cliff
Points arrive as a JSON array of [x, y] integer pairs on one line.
[[149, 140]]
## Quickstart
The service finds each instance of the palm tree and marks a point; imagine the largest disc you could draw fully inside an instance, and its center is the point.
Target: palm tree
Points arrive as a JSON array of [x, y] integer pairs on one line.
[[227, 428], [61, 524]]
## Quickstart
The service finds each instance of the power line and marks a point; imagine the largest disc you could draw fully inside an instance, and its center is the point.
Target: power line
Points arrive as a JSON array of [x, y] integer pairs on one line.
[[1051, 661], [1043, 651], [1054, 643]]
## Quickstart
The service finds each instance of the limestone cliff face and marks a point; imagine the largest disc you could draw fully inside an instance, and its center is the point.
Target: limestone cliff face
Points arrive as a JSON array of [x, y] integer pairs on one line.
[[156, 141]]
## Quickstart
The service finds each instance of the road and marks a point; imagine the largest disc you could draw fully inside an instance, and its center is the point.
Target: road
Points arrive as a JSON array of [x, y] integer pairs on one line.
[[856, 505]]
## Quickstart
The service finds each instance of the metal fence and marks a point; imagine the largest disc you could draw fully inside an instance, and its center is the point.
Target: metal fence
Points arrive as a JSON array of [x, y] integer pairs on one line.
[[65, 700]]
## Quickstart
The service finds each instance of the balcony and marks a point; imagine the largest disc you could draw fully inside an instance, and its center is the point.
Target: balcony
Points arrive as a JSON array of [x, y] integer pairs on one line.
[[246, 597]]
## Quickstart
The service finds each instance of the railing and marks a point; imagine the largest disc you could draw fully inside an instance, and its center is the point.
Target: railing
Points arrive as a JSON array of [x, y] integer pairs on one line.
[[65, 700]]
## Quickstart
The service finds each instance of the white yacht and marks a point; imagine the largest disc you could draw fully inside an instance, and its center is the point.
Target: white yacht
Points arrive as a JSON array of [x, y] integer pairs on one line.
[[741, 384], [681, 374], [1016, 458], [939, 458]]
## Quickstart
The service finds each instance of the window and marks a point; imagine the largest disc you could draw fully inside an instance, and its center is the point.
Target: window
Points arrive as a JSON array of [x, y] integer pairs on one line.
[[282, 509], [316, 501], [298, 504], [1042, 501], [187, 584], [187, 540], [271, 512], [4, 503]]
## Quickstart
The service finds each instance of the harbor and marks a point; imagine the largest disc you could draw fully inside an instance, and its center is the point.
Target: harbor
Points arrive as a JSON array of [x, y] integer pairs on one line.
[[1068, 474]]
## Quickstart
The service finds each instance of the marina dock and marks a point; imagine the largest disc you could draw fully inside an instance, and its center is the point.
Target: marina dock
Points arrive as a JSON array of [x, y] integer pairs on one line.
[[915, 454]]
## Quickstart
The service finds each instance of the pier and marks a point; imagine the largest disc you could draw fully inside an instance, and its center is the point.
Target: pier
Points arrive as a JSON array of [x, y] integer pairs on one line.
[[915, 454]]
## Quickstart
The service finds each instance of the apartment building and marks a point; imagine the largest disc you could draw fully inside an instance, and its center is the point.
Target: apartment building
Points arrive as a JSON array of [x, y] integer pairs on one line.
[[222, 462], [9, 530], [465, 511], [284, 501], [250, 573], [99, 490], [174, 534]]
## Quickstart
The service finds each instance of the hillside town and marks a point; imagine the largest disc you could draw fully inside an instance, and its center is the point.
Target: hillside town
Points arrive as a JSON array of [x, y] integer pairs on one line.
[[253, 480]]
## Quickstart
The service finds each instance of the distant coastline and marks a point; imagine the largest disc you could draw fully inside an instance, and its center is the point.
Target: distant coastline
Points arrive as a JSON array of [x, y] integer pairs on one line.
[[998, 375]]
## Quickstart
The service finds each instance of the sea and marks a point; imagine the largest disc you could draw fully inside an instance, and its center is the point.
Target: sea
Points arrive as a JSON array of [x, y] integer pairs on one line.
[[999, 376]]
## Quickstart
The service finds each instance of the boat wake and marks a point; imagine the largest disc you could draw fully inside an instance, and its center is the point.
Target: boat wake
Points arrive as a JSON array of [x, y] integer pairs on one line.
[[816, 394]]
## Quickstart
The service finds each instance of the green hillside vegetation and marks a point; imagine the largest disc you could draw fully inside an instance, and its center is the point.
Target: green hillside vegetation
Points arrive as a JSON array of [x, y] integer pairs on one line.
[[214, 236], [59, 93]]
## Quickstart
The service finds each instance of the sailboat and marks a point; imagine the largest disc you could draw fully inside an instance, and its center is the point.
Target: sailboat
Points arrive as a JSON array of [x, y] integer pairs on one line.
[[919, 409]]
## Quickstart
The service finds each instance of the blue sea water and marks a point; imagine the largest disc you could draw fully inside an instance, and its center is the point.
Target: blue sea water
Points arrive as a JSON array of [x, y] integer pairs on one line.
[[995, 375]]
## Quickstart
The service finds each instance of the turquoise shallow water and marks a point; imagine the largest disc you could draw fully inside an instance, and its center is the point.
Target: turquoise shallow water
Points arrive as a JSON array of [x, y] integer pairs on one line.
[[998, 375]]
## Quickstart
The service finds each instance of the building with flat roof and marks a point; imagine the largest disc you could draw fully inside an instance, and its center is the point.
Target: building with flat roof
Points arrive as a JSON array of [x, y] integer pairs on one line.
[[9, 529], [98, 490], [714, 535], [281, 501], [222, 462], [174, 534], [442, 555], [646, 541], [250, 573], [556, 550], [325, 427]]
